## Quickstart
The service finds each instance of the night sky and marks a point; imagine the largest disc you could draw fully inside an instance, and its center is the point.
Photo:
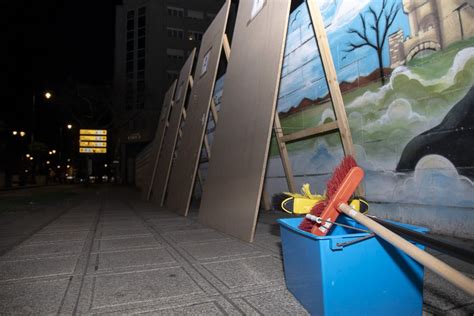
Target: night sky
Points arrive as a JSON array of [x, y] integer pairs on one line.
[[49, 42]]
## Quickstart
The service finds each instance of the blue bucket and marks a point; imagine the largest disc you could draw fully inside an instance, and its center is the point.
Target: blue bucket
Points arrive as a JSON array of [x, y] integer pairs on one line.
[[369, 277]]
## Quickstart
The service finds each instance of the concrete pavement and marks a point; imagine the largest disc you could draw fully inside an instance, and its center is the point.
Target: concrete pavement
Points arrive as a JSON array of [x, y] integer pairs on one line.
[[109, 252]]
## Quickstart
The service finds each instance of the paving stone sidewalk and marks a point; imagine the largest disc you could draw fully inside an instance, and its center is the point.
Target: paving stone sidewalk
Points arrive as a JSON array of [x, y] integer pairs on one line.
[[115, 254]]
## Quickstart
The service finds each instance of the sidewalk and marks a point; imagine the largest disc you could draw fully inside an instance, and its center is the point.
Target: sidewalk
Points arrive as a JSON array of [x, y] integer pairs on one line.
[[113, 253]]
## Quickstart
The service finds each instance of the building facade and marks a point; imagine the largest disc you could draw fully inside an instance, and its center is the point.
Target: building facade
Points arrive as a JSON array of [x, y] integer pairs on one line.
[[152, 40]]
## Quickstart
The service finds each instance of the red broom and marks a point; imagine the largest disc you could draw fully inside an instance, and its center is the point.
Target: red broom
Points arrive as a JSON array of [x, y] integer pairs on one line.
[[332, 186]]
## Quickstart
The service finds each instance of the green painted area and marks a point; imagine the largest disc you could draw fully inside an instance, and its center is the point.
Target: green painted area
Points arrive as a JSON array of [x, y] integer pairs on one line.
[[384, 119]]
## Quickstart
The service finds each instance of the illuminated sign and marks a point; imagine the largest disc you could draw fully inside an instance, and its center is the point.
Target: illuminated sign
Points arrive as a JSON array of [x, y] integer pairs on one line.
[[92, 138], [93, 141], [93, 144], [93, 132], [87, 150]]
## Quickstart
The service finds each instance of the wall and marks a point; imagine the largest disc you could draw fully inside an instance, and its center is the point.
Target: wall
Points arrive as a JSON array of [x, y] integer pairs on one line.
[[413, 130]]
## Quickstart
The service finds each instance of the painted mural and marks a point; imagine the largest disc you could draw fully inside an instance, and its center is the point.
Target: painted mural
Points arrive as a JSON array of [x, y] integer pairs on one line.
[[406, 70]]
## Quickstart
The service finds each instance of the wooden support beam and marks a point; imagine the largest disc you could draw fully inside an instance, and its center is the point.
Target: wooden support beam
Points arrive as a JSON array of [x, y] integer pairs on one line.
[[208, 147], [214, 110], [331, 77], [226, 46], [312, 131], [285, 159], [266, 201]]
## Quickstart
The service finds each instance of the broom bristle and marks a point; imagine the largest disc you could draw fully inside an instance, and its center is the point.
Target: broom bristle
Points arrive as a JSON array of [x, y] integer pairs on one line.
[[317, 209], [331, 188], [339, 174]]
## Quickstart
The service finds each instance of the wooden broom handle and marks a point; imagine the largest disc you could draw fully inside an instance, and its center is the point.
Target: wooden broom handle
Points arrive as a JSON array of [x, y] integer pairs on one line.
[[430, 262]]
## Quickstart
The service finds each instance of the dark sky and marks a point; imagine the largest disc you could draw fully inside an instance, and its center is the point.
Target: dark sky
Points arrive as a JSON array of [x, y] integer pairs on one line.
[[49, 41]]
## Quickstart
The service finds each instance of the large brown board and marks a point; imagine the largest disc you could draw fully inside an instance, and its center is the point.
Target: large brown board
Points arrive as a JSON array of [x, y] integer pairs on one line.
[[184, 171], [165, 158], [234, 182], [158, 140]]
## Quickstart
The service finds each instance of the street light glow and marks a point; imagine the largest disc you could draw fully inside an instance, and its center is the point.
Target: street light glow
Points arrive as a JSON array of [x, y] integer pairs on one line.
[[69, 126], [14, 133], [59, 166], [22, 133], [50, 152], [68, 166], [48, 162], [53, 151], [48, 95], [31, 158], [27, 155]]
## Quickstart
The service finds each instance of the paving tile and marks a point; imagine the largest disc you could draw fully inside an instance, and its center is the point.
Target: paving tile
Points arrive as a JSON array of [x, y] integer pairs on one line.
[[219, 249], [171, 221], [270, 229], [126, 243], [272, 303], [22, 269], [135, 287], [444, 296], [169, 227], [107, 261], [204, 309], [45, 249], [65, 228], [269, 242], [35, 298], [248, 272], [195, 235], [55, 237], [122, 232]]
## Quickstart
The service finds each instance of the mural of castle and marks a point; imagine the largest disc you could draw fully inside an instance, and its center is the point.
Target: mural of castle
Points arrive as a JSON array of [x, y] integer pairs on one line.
[[406, 70], [434, 24]]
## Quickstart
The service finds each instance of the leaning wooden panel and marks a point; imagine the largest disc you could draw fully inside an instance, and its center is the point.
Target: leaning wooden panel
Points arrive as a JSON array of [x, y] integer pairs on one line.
[[234, 183], [185, 167], [158, 140], [165, 158]]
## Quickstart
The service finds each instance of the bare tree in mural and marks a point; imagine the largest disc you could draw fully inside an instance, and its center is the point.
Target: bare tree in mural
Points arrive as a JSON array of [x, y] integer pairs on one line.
[[380, 24]]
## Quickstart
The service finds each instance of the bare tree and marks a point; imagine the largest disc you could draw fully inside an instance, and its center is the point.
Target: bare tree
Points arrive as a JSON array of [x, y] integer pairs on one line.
[[380, 25]]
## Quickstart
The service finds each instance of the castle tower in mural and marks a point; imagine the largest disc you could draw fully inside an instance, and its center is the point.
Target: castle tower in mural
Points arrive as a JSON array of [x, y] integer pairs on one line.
[[434, 24]]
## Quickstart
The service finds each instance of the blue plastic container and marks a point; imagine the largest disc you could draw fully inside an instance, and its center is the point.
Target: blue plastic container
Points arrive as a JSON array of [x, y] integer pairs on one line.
[[370, 277]]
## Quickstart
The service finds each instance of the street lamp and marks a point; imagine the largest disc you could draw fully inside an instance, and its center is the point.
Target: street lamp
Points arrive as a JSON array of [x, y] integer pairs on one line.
[[53, 151], [27, 155], [15, 133], [48, 95], [22, 134], [69, 126]]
